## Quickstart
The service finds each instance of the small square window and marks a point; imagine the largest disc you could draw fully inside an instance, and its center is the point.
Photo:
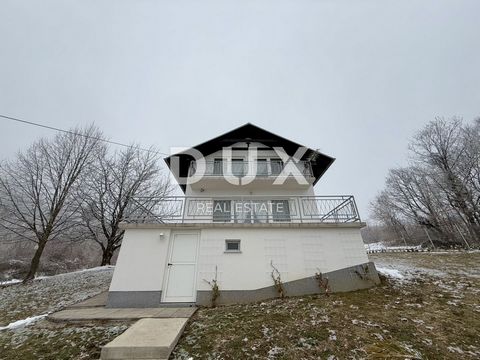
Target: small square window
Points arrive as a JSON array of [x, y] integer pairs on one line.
[[232, 245]]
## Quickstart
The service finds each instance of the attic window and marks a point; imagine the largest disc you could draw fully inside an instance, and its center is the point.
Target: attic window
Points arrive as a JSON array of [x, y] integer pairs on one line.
[[277, 166], [218, 167], [232, 245]]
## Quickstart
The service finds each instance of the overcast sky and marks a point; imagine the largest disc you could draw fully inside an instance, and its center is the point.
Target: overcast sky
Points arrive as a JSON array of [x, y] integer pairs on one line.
[[354, 78]]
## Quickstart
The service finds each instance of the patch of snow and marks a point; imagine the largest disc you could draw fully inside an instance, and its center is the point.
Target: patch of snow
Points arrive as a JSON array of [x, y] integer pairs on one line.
[[10, 282], [455, 349], [274, 351], [24, 322], [366, 323], [411, 268], [418, 306], [302, 342], [266, 331], [375, 246], [393, 273], [428, 342], [94, 269], [379, 246], [411, 350], [52, 294]]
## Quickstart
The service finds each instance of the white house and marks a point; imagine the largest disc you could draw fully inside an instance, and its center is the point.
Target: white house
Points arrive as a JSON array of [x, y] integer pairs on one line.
[[249, 206]]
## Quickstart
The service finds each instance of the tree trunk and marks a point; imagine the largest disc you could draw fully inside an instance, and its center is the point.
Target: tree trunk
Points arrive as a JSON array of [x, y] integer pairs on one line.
[[473, 229], [35, 262], [107, 255]]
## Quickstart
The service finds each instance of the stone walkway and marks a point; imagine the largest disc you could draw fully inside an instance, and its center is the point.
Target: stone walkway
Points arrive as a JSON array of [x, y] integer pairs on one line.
[[101, 313], [153, 336], [94, 309]]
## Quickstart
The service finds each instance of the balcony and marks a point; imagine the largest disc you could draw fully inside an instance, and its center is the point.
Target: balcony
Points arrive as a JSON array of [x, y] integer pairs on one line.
[[241, 168], [244, 210], [221, 174]]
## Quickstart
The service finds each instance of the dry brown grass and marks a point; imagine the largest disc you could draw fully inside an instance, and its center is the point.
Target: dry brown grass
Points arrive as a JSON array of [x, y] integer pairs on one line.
[[433, 313]]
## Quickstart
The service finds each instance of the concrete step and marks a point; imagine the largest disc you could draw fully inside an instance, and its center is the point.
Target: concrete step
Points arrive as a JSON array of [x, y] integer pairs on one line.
[[100, 314], [146, 339]]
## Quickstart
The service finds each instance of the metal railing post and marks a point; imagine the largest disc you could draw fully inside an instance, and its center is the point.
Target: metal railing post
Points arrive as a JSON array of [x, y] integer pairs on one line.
[[300, 208], [356, 208], [184, 204]]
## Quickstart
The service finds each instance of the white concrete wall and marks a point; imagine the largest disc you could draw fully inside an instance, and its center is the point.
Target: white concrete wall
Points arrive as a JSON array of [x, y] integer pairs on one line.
[[141, 261], [296, 252]]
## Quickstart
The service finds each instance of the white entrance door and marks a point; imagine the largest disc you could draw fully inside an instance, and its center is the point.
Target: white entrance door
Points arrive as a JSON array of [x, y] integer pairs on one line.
[[181, 269]]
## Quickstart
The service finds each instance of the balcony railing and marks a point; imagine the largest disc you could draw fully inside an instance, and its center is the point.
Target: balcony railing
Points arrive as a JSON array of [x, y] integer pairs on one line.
[[245, 210], [240, 168]]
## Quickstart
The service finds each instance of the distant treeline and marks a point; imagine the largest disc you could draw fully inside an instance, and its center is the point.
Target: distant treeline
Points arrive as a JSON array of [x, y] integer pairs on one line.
[[435, 200]]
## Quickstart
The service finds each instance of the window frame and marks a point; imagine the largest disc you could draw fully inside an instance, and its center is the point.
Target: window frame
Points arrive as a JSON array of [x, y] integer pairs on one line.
[[237, 161], [264, 162], [285, 216], [217, 167], [233, 241], [276, 164], [222, 216]]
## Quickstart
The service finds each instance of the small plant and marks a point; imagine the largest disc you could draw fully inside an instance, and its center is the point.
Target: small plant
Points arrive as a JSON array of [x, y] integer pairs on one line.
[[364, 272], [322, 282], [215, 289], [277, 280]]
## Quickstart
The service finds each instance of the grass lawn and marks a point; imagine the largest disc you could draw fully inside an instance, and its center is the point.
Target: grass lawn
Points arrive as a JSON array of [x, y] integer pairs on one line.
[[428, 308], [46, 340]]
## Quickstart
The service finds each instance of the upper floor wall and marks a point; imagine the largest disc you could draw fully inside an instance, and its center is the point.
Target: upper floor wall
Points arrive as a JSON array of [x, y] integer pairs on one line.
[[248, 161], [246, 169]]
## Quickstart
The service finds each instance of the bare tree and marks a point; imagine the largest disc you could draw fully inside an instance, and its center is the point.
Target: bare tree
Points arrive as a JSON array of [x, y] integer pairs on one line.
[[37, 188], [470, 168], [112, 190], [418, 199], [439, 192], [383, 210], [443, 148]]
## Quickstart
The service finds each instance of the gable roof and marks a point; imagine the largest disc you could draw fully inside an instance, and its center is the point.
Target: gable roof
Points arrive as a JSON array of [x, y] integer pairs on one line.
[[320, 162]]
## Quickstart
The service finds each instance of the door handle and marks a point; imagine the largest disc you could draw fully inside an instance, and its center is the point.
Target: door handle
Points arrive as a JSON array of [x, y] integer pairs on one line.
[[169, 264]]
